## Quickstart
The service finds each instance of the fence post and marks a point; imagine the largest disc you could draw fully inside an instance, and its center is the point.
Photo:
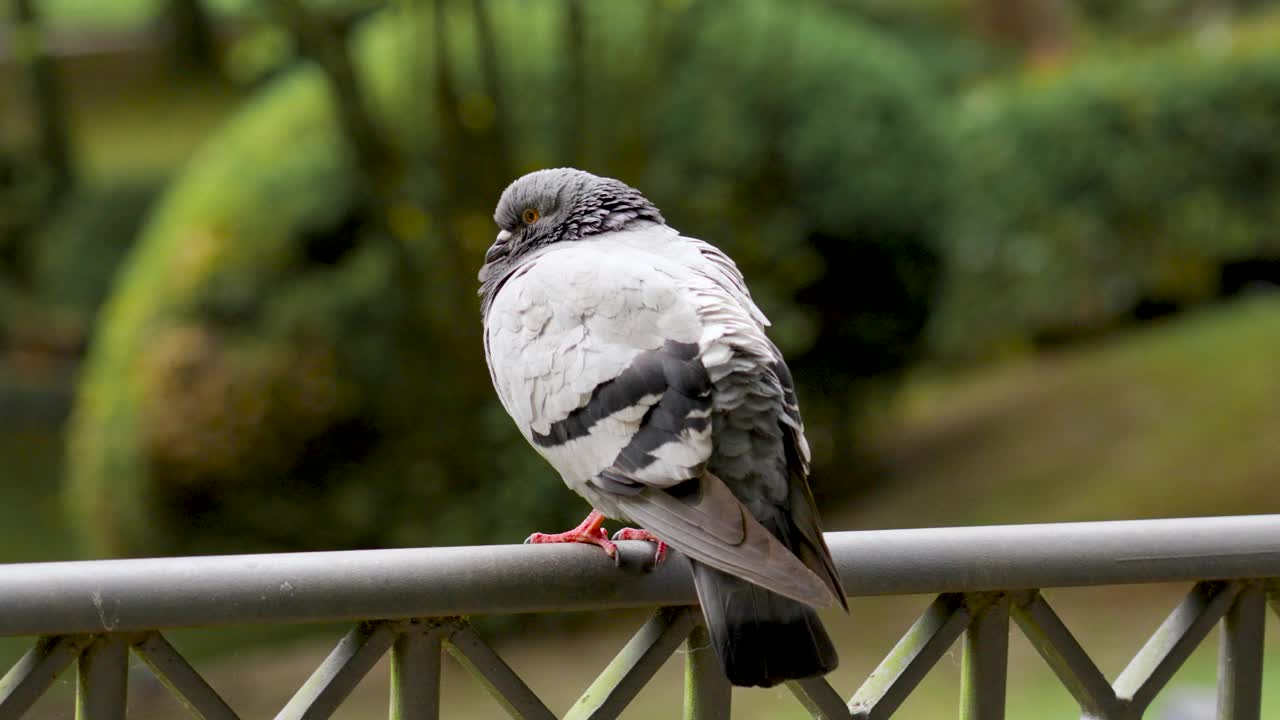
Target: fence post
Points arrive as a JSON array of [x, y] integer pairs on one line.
[[707, 693], [102, 679], [986, 660]]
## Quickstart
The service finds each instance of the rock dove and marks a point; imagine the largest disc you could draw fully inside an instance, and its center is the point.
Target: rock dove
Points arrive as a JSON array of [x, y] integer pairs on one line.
[[633, 359]]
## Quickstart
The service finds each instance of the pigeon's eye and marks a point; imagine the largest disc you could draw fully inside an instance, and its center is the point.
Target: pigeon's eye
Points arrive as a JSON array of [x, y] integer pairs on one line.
[[530, 216]]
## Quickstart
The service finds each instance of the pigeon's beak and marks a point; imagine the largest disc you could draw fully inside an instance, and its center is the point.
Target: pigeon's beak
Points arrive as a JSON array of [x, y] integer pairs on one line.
[[496, 252], [499, 247]]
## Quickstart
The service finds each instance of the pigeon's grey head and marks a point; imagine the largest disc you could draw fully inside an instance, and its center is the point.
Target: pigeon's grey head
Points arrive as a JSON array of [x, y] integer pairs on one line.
[[560, 205]]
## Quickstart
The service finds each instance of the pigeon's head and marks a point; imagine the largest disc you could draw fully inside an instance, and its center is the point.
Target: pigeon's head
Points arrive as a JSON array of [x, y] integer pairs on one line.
[[564, 204]]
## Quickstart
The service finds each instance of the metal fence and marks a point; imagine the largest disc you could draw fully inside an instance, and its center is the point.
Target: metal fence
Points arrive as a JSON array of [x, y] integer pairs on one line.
[[413, 604]]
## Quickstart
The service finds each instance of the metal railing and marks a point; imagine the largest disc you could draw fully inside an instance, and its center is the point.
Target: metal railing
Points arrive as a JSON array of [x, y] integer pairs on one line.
[[412, 604]]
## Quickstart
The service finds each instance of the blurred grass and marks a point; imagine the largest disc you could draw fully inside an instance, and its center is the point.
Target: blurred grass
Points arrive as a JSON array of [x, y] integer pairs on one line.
[[1178, 418], [31, 526]]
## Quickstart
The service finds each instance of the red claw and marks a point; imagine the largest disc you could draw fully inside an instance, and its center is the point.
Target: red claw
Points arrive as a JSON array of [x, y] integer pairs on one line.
[[659, 554], [589, 531]]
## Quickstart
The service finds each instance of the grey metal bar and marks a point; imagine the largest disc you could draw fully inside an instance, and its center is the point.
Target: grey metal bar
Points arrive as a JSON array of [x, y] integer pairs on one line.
[[1062, 652], [972, 559], [707, 693], [141, 595], [356, 653], [102, 679], [1172, 643], [1240, 656], [911, 659], [201, 700], [986, 660], [634, 665], [415, 672], [491, 671], [819, 698], [32, 675]]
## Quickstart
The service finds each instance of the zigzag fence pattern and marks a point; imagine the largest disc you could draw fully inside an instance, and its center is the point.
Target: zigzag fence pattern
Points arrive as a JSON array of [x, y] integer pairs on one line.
[[413, 604]]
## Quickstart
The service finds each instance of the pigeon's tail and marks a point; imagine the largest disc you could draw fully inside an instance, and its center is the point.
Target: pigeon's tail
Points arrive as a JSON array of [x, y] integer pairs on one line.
[[762, 638]]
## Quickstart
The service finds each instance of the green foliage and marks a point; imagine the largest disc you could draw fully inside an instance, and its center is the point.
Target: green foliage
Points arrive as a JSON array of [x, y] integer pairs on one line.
[[25, 184], [1087, 189], [75, 258], [940, 35], [813, 158], [288, 363]]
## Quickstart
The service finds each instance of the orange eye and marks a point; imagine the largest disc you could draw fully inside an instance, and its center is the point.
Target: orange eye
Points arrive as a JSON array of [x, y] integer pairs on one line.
[[530, 216]]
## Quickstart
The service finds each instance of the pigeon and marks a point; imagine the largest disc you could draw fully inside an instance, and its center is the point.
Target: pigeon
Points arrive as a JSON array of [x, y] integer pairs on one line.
[[633, 359]]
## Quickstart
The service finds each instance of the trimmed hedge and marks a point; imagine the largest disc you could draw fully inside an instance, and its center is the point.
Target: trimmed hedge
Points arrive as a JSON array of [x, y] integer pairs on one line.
[[1086, 190], [276, 371]]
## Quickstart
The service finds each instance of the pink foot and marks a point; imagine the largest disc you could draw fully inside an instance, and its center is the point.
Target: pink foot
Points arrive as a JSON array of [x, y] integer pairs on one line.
[[659, 554], [589, 531]]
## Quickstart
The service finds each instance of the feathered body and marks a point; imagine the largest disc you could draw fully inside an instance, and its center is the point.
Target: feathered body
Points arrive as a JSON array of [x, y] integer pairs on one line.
[[634, 360]]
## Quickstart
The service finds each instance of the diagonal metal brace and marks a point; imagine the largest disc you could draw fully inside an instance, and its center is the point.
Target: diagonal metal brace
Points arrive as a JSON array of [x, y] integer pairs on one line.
[[1273, 597], [339, 674], [635, 665], [201, 700], [912, 658], [32, 675], [1064, 655], [495, 675], [819, 698], [1173, 643]]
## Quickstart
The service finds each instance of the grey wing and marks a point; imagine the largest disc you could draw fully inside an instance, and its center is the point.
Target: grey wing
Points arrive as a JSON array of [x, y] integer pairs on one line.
[[813, 551], [752, 353], [705, 521]]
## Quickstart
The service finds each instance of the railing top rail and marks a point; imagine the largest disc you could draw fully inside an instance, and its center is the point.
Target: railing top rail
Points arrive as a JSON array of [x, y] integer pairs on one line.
[[128, 595]]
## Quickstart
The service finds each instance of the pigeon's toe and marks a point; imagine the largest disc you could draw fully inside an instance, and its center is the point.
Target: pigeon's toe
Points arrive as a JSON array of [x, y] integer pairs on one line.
[[659, 553]]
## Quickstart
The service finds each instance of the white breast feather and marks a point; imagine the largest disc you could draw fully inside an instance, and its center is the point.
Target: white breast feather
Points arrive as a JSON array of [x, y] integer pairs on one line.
[[579, 314]]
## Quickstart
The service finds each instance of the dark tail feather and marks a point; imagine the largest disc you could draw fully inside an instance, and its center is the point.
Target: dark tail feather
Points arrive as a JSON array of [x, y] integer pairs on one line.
[[762, 638]]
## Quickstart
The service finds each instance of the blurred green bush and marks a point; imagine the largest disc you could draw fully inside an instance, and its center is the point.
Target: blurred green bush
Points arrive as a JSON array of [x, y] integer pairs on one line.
[[1088, 190], [813, 157], [287, 365], [76, 255]]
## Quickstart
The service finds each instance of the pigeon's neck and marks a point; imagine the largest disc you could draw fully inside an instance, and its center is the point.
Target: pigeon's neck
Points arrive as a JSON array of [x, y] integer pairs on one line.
[[638, 232], [495, 277], [610, 208]]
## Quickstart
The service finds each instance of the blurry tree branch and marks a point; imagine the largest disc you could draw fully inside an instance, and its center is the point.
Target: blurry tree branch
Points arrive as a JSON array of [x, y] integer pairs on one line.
[[448, 117], [670, 32], [379, 168], [327, 49], [575, 32], [46, 98], [1038, 27], [34, 183], [190, 35], [447, 111], [488, 49]]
